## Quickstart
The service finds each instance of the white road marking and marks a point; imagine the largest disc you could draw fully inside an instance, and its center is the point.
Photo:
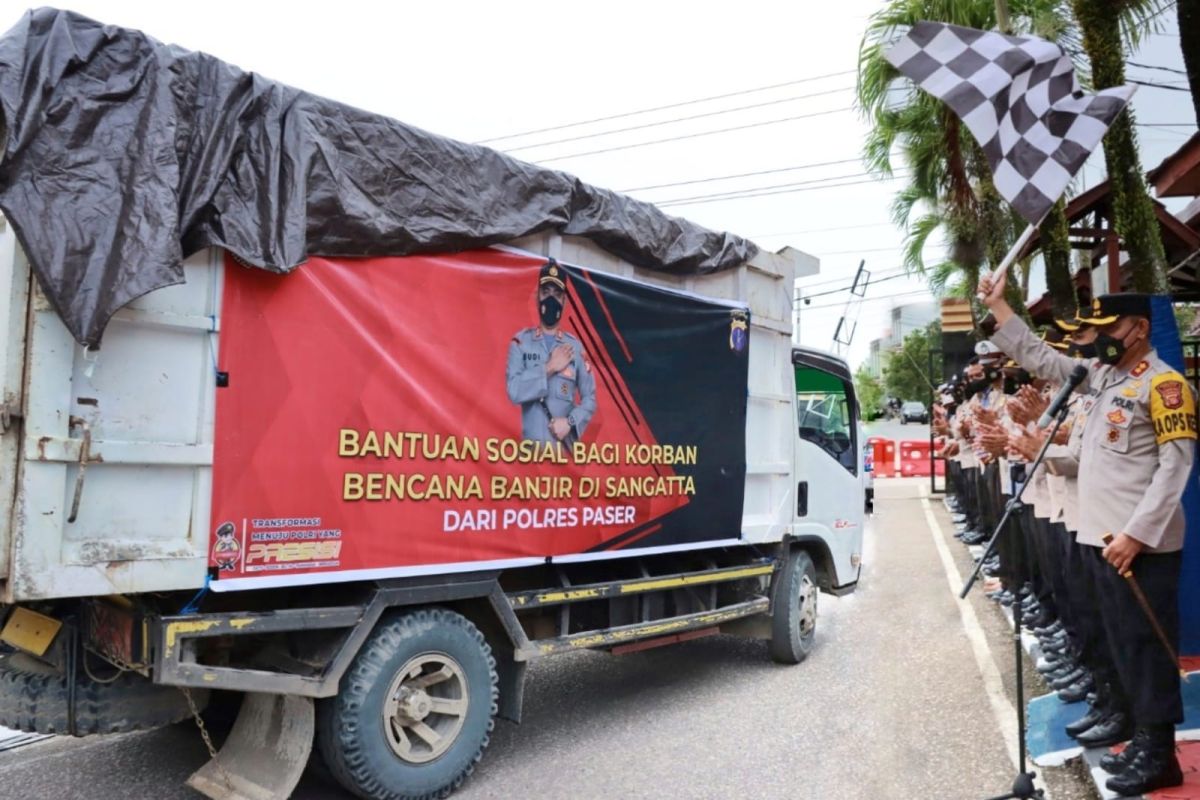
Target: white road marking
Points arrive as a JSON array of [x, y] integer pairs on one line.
[[1003, 709]]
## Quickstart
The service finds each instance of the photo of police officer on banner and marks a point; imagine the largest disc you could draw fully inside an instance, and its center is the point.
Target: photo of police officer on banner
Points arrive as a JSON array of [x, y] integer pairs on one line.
[[547, 374]]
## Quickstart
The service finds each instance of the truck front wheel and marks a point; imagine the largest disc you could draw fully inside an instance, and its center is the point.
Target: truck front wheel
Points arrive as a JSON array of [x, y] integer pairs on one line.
[[415, 711], [794, 609]]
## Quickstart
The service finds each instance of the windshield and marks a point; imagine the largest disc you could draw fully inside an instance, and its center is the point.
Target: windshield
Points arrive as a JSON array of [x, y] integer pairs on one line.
[[825, 417]]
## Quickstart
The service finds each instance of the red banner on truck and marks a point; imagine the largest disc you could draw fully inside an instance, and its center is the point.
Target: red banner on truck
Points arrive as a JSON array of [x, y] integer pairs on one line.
[[389, 416]]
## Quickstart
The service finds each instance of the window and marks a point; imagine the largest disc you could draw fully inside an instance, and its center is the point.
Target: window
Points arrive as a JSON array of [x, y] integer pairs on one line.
[[825, 416]]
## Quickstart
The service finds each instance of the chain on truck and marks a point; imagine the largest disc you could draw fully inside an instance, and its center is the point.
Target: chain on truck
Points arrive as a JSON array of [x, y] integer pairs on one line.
[[350, 423]]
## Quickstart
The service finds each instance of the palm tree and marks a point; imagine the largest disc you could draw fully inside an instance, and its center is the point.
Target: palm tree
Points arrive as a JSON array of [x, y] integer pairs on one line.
[[1106, 26], [950, 180]]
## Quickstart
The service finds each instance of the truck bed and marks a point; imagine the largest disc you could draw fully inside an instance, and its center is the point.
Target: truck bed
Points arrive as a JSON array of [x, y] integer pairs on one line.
[[106, 466]]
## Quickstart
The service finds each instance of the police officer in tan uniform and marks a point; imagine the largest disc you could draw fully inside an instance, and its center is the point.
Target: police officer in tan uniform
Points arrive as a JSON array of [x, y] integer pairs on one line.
[[1135, 456], [547, 374]]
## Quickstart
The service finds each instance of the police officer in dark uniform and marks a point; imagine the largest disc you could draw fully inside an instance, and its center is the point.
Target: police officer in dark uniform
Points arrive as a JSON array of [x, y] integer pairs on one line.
[[1135, 456], [547, 373]]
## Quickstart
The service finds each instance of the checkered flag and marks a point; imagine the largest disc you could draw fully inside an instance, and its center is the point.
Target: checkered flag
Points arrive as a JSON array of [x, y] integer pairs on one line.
[[1019, 96]]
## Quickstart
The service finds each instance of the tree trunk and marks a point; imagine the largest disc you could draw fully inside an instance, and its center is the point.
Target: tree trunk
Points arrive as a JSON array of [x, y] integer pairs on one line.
[[1189, 43], [1133, 211], [1056, 252]]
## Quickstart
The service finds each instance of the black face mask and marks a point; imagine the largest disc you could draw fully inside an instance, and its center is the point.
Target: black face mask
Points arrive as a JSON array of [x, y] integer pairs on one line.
[[1109, 349], [551, 310], [1082, 350], [1013, 383]]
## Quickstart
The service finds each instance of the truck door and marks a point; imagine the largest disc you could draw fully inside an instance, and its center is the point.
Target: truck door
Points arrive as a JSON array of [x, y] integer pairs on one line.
[[829, 492], [14, 300]]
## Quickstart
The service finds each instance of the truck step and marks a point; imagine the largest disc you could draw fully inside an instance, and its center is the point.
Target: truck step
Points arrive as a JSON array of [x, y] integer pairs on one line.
[[610, 637], [600, 591]]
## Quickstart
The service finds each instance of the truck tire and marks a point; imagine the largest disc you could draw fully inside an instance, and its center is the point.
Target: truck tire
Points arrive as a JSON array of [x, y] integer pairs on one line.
[[33, 698], [794, 609], [415, 710]]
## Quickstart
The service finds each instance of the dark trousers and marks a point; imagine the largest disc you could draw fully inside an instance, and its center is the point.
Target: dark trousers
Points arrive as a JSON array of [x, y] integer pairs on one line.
[[1057, 542], [970, 483], [1091, 642], [1010, 546], [1150, 679], [1039, 563]]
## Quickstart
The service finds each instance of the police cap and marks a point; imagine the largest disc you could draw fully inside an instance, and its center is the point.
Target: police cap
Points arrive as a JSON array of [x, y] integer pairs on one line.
[[1108, 308], [552, 273]]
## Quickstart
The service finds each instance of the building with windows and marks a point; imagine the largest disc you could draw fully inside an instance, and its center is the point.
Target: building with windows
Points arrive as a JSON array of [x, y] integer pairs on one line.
[[902, 321]]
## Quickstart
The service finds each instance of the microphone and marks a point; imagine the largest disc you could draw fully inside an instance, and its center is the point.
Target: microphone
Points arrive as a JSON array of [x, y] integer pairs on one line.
[[1056, 405]]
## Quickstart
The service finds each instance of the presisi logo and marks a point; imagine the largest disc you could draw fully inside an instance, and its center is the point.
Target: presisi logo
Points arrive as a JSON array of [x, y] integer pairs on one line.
[[292, 552]]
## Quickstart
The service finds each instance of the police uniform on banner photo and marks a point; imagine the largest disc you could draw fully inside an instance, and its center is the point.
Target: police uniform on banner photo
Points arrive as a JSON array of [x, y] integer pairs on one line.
[[547, 373], [1135, 453]]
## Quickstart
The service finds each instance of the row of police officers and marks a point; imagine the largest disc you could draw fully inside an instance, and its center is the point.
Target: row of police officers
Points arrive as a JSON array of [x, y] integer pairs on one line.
[[1093, 552]]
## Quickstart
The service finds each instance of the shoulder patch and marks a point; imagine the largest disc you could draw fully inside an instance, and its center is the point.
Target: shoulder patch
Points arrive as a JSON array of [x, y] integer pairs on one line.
[[1172, 407]]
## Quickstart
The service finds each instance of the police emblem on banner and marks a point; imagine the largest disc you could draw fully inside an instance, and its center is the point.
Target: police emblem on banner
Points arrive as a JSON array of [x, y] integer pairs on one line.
[[739, 331], [226, 552]]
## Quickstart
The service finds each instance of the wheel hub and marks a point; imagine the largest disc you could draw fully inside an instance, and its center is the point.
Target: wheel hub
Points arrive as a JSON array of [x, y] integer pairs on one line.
[[414, 705], [426, 707]]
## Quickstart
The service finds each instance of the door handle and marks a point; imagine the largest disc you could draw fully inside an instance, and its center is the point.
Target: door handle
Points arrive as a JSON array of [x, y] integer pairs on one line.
[[802, 499]]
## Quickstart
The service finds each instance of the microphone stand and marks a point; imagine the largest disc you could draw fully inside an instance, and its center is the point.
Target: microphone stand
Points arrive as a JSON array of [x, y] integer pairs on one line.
[[1022, 788]]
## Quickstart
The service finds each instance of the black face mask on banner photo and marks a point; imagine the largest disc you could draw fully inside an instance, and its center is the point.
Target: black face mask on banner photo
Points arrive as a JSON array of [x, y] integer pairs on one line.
[[550, 309]]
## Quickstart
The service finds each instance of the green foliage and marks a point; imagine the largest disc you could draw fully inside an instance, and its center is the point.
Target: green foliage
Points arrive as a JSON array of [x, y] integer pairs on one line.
[[949, 190], [1056, 253], [1185, 317], [906, 371], [1104, 37], [869, 391]]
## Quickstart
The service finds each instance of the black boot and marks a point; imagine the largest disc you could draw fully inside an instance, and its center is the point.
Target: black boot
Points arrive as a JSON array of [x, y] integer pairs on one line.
[[1116, 763], [1095, 714], [1079, 691], [1076, 675], [1155, 767], [1114, 728]]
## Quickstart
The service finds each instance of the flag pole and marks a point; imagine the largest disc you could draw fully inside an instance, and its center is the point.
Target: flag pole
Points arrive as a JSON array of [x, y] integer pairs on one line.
[[1013, 252]]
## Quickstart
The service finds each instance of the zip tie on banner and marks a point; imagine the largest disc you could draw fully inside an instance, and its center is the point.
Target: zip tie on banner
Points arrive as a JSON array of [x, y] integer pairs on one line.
[[193, 606]]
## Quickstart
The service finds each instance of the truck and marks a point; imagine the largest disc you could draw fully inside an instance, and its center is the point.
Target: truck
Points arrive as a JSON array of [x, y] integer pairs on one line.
[[359, 487]]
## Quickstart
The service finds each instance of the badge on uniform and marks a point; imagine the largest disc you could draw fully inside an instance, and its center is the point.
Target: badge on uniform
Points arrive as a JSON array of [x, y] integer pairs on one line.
[[1172, 408], [739, 331], [1117, 417], [1130, 392], [1140, 369], [564, 390], [1171, 393], [1113, 434]]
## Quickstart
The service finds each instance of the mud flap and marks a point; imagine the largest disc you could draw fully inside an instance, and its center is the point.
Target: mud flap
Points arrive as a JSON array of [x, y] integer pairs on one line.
[[266, 751]]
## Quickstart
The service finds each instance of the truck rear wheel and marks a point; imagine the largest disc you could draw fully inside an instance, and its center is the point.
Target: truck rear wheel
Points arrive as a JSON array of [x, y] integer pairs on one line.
[[794, 609], [415, 711], [34, 698]]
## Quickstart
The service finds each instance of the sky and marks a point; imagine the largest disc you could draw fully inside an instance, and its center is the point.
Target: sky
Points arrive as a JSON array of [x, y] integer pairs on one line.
[[478, 71]]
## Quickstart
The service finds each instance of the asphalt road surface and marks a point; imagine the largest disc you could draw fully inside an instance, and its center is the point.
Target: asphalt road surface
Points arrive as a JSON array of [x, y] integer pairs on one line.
[[907, 695]]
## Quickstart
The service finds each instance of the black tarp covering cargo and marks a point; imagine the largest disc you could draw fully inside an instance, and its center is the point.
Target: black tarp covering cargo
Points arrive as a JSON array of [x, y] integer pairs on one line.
[[123, 155]]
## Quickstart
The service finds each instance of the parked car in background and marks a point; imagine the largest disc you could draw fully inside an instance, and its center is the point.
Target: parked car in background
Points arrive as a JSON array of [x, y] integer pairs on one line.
[[914, 411]]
